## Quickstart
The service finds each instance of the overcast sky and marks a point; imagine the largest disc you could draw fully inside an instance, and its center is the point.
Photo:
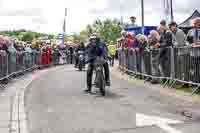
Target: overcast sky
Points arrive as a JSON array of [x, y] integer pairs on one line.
[[47, 15]]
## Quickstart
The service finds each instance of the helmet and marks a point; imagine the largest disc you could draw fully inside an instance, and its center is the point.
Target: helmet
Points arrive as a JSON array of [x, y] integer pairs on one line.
[[93, 37], [124, 33], [96, 34]]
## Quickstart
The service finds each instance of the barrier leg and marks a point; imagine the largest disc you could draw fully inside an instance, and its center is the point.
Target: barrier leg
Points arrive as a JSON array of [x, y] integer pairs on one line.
[[195, 90], [165, 83], [173, 82]]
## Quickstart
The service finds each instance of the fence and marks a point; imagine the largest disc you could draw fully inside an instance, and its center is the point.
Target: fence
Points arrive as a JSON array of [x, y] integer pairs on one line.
[[170, 65], [19, 62]]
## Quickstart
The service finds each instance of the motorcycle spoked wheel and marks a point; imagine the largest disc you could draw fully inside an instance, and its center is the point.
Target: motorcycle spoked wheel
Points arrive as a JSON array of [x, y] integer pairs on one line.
[[100, 82]]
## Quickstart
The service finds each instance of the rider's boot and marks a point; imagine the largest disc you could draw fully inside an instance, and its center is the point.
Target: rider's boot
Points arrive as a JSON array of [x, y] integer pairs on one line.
[[103, 93], [88, 90], [108, 83]]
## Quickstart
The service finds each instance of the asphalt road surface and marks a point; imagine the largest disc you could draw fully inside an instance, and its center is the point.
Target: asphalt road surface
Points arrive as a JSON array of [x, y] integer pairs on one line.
[[56, 103]]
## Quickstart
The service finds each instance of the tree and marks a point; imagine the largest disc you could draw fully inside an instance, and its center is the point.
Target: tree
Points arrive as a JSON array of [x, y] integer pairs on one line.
[[28, 36], [25, 35], [108, 29]]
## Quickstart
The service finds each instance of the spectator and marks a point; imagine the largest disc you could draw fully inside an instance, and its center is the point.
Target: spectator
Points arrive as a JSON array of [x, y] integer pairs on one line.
[[179, 38], [112, 52], [154, 39], [71, 54], [164, 51], [142, 45], [3, 58], [144, 51], [12, 55], [163, 23], [123, 48], [44, 55], [132, 24], [49, 54], [181, 56], [193, 38], [28, 55], [3, 44], [130, 40], [20, 56]]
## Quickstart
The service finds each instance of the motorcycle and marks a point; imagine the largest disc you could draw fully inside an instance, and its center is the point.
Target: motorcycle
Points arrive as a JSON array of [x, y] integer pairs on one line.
[[81, 60], [100, 77]]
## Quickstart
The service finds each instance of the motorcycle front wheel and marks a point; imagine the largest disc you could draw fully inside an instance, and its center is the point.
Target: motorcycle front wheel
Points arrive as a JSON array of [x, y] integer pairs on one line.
[[102, 84]]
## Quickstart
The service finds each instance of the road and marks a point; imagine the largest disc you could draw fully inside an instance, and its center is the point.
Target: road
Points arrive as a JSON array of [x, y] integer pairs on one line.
[[56, 103]]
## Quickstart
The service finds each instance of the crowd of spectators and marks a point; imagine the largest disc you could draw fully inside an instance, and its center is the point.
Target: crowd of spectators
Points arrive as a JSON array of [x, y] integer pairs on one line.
[[159, 42], [17, 55]]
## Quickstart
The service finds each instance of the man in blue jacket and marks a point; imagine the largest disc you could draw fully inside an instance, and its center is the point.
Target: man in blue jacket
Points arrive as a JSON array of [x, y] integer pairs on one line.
[[96, 48]]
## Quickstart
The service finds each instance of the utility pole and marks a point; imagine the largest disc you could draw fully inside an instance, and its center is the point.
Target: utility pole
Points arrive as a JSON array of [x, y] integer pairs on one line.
[[142, 14], [172, 14], [64, 28], [121, 15]]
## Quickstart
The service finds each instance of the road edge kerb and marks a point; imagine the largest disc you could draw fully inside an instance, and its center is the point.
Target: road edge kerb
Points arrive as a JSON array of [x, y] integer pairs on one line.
[[170, 92], [189, 111], [19, 119]]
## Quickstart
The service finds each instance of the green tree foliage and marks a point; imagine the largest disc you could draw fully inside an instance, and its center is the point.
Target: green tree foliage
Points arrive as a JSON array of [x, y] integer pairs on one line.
[[25, 35], [108, 29]]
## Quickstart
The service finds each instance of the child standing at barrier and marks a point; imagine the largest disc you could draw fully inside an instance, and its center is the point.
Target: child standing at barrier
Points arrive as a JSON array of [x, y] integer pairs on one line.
[[154, 39]]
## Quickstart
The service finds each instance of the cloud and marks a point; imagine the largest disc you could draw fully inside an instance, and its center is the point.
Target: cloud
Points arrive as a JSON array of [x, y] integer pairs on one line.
[[21, 12], [47, 15]]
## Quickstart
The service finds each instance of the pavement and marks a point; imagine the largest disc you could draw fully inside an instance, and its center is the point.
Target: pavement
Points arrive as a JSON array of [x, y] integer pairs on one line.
[[13, 118], [12, 115], [53, 101]]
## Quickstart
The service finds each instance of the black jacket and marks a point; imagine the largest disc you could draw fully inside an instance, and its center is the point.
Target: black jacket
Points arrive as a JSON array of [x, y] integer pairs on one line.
[[166, 39], [165, 43], [100, 49]]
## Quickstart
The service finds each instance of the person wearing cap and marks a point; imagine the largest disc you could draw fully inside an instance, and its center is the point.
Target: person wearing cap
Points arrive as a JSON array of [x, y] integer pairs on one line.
[[132, 23], [163, 22], [96, 48], [133, 20]]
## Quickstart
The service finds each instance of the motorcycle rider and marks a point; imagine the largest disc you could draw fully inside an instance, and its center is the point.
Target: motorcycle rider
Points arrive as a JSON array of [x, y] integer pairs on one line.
[[81, 47], [71, 52], [96, 48]]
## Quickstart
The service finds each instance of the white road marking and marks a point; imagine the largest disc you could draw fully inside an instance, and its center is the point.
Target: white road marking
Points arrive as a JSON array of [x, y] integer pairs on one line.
[[167, 128], [145, 120]]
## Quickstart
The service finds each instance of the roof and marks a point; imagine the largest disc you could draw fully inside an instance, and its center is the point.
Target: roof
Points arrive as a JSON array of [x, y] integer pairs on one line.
[[187, 22]]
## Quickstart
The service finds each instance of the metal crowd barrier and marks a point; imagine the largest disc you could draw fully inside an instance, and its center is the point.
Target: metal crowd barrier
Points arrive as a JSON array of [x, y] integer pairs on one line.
[[169, 65], [18, 62]]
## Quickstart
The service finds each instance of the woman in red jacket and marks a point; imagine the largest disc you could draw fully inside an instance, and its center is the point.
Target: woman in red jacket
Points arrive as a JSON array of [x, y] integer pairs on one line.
[[49, 55], [44, 56]]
